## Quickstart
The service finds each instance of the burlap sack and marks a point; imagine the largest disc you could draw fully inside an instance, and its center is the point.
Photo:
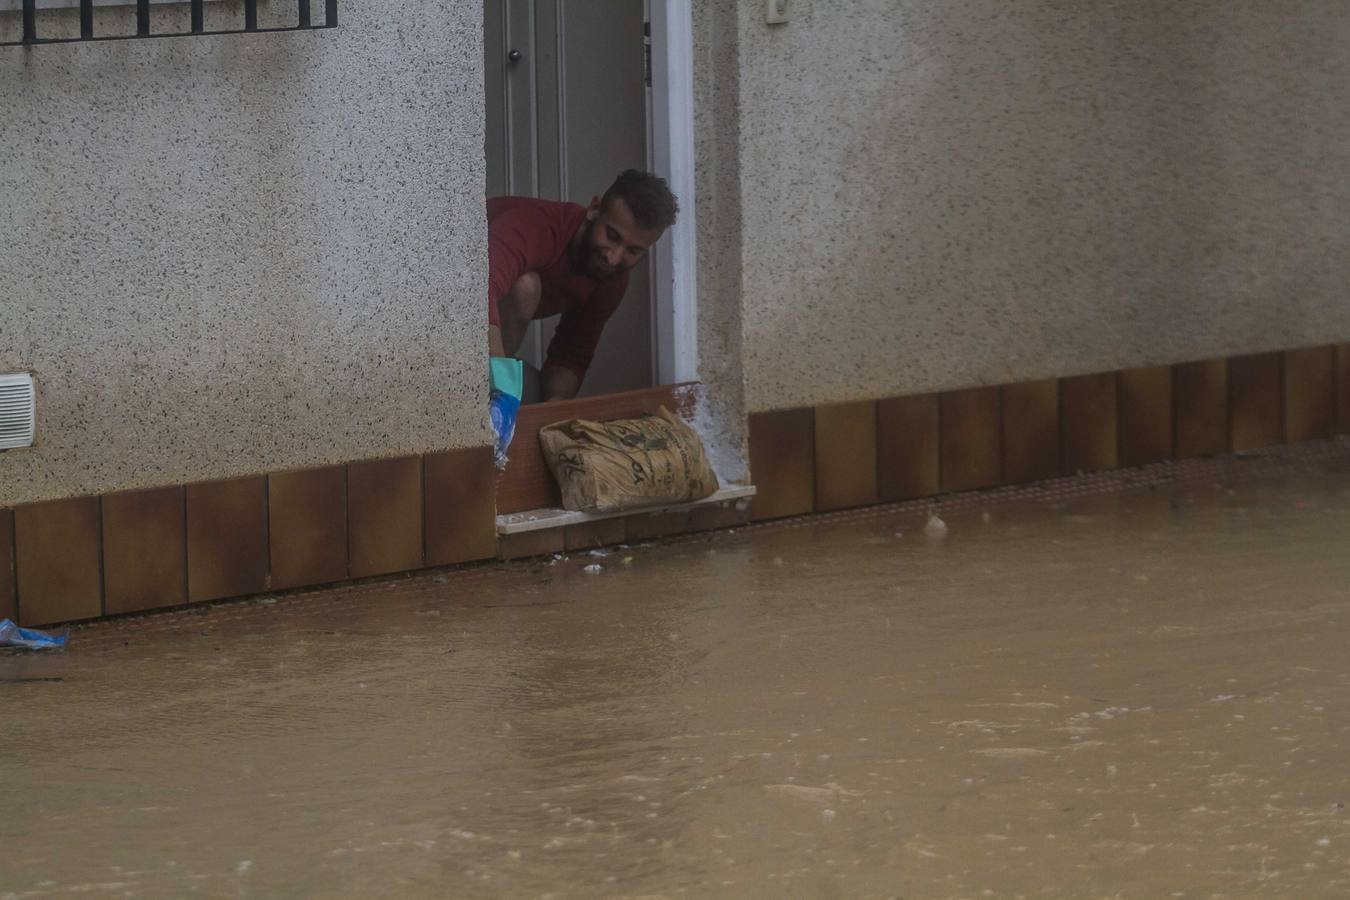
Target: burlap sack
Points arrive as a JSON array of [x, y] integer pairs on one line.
[[627, 463]]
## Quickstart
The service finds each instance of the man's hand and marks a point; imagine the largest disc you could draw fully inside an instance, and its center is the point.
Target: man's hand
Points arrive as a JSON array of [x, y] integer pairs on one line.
[[558, 383], [495, 347]]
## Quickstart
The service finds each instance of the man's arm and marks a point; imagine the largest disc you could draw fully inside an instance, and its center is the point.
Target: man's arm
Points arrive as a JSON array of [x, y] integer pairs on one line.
[[558, 383], [573, 345], [519, 241]]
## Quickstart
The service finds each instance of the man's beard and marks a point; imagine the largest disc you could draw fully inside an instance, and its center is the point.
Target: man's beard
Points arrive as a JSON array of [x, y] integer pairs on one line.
[[589, 260]]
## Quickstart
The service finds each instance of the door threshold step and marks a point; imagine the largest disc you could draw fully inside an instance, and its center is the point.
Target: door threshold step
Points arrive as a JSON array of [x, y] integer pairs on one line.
[[541, 519]]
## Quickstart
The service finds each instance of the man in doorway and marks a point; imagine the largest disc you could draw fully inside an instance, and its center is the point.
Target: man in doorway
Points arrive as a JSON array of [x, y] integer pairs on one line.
[[547, 258]]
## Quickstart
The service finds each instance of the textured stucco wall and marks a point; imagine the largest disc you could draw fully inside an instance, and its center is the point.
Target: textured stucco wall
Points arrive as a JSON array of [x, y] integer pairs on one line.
[[722, 420], [223, 256], [936, 195], [232, 255]]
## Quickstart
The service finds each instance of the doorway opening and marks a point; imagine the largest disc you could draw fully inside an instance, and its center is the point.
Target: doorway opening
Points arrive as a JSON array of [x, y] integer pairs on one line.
[[578, 91]]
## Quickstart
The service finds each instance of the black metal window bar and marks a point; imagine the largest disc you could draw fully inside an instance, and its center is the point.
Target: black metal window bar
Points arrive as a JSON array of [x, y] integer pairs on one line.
[[305, 21]]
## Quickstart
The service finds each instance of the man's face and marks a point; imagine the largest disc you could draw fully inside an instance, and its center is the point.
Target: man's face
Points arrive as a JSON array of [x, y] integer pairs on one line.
[[612, 242]]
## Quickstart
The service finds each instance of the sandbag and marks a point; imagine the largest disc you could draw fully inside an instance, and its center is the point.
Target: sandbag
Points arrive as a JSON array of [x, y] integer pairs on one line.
[[627, 463]]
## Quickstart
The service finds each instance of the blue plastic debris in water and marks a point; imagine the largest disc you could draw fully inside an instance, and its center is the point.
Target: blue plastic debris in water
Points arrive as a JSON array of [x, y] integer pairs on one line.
[[12, 635], [508, 381]]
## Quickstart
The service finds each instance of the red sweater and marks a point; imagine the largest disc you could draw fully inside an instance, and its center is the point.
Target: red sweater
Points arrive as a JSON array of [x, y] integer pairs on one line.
[[528, 235]]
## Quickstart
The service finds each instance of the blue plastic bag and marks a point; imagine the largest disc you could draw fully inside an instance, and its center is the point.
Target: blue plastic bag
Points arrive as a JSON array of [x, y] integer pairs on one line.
[[507, 378], [12, 635]]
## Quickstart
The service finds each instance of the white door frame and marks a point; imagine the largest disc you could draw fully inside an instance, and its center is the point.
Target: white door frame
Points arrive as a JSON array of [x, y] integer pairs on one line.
[[674, 269]]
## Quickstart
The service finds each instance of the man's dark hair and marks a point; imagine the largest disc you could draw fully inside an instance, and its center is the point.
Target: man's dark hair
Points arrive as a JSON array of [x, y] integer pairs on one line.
[[647, 197]]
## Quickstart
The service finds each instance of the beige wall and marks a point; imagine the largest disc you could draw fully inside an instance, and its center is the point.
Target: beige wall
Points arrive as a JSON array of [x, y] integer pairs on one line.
[[935, 195], [718, 233], [234, 255], [224, 256]]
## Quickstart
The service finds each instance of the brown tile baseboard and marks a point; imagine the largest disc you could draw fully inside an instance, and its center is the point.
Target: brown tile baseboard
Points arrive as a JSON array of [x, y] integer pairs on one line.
[[1309, 393], [846, 455], [989, 436], [384, 518], [908, 442], [1030, 431], [971, 439], [307, 526], [144, 550], [783, 452], [593, 535], [1144, 415], [58, 561], [1088, 424], [85, 557], [9, 606], [654, 526], [634, 528], [716, 518], [1200, 408], [299, 529], [1343, 388], [460, 511], [226, 538], [531, 543], [1255, 398]]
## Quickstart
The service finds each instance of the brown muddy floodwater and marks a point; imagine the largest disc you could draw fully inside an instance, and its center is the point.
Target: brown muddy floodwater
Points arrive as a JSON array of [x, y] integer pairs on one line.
[[1143, 693]]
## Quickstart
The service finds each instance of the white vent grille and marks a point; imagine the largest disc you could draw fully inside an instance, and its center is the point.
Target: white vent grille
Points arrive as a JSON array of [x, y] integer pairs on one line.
[[16, 411]]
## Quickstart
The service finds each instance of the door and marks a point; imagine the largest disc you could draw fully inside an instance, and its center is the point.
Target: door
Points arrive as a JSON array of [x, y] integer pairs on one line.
[[567, 110]]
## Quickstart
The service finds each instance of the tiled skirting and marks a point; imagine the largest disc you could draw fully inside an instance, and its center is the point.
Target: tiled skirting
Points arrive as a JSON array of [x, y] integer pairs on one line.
[[87, 557], [816, 459], [92, 556], [633, 529]]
